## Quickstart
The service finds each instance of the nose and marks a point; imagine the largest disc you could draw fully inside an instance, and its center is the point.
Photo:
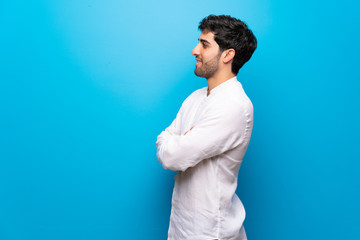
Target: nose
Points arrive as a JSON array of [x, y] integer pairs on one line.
[[195, 51]]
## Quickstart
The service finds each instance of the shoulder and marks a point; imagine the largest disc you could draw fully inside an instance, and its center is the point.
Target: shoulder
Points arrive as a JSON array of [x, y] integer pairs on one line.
[[234, 100], [241, 98]]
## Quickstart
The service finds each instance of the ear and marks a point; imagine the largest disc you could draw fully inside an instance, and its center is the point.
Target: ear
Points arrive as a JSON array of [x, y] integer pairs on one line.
[[229, 55]]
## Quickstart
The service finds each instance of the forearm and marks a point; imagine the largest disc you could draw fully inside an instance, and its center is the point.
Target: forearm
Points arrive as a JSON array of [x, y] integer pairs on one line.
[[214, 135], [179, 152]]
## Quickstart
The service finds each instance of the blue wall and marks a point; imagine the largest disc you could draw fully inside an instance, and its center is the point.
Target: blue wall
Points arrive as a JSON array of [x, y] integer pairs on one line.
[[86, 86]]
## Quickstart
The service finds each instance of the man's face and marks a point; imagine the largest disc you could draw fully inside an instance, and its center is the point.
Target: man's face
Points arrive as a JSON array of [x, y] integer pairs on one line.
[[207, 53]]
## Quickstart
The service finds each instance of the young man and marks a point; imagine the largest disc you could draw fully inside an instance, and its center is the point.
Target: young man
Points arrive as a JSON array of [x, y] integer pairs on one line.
[[209, 137]]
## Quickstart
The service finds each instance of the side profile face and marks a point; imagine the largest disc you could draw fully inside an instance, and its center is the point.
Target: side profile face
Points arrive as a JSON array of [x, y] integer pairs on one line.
[[207, 54]]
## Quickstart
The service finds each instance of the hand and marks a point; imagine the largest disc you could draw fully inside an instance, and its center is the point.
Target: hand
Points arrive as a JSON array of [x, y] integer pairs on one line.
[[189, 130]]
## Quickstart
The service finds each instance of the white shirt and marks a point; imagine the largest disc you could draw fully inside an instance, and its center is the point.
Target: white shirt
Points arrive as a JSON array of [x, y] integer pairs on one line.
[[208, 158]]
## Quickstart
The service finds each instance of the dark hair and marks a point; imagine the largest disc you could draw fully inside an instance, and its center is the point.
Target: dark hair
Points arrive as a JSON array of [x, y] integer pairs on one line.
[[231, 33]]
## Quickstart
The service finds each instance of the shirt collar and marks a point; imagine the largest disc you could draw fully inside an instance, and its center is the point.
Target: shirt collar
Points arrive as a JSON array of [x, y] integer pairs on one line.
[[223, 85]]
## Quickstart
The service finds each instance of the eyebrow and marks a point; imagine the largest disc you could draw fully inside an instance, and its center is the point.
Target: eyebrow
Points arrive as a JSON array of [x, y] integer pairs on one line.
[[204, 41]]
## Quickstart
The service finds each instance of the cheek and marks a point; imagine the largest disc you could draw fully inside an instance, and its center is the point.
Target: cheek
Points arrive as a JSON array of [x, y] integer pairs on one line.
[[208, 56], [211, 53]]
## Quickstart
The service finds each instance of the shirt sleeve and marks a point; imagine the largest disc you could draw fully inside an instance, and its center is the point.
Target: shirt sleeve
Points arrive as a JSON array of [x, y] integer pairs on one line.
[[218, 130], [172, 130]]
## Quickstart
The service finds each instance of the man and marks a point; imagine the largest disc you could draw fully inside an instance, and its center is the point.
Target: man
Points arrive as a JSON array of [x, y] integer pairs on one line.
[[209, 137]]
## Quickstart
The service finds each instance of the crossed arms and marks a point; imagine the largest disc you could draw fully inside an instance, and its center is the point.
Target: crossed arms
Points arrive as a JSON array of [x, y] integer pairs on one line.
[[218, 131]]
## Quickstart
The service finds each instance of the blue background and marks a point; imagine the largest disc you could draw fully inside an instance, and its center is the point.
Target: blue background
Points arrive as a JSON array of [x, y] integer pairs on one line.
[[86, 87]]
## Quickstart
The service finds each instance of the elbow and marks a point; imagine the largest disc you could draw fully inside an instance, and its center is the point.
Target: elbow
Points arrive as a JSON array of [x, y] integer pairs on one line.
[[168, 161], [170, 156], [167, 165]]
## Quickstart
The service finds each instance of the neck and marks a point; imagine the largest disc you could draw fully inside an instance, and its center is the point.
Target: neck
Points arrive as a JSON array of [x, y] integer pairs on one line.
[[218, 79]]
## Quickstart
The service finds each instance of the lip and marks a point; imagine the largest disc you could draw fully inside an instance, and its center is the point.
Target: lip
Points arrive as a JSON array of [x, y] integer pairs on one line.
[[198, 62]]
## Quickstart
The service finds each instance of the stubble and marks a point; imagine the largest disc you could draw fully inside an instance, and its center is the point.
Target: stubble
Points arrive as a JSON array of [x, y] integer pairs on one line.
[[209, 68]]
